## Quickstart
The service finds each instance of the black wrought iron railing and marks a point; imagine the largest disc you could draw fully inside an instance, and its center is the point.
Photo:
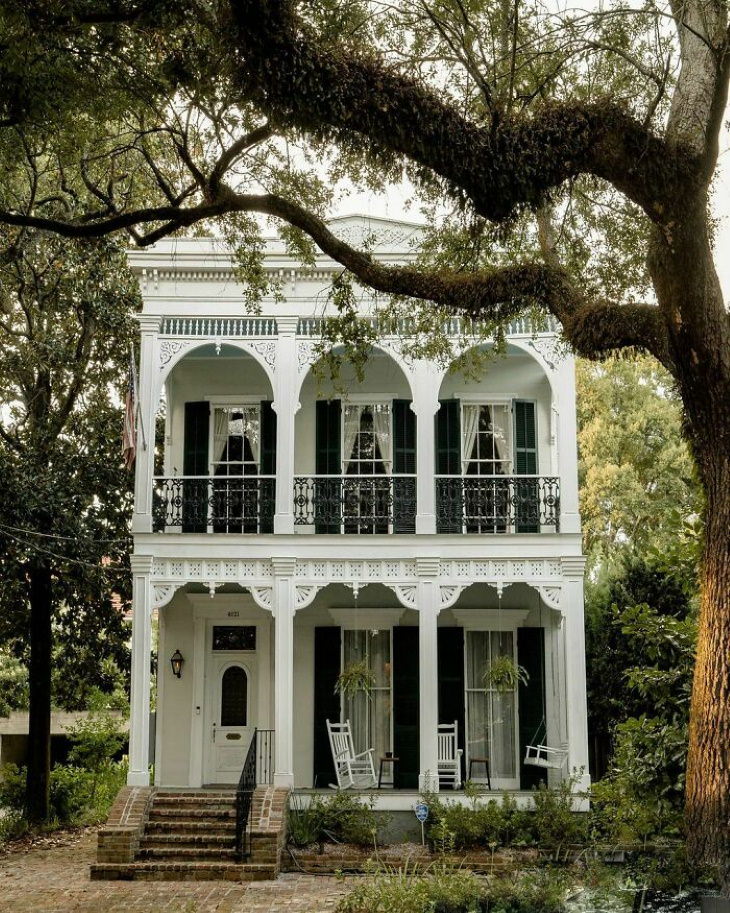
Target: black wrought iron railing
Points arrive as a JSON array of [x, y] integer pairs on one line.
[[497, 504], [218, 504], [258, 769], [357, 504]]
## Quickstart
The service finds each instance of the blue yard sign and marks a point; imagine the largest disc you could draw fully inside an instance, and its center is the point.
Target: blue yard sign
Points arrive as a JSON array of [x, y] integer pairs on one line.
[[421, 811]]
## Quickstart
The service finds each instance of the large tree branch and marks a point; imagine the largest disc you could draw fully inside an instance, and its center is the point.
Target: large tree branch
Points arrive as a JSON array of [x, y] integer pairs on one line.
[[514, 161]]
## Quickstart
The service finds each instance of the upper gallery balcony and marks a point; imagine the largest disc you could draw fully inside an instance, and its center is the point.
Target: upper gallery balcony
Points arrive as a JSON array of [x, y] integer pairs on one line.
[[405, 448]]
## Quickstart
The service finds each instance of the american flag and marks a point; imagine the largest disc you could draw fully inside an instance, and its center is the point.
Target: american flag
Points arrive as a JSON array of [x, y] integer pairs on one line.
[[129, 435]]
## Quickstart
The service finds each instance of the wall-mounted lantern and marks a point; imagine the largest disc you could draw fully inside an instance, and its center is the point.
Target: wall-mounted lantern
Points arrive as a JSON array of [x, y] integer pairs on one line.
[[176, 661]]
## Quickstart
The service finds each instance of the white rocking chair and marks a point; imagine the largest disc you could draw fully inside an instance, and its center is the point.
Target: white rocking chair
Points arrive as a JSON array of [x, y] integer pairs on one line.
[[352, 770], [449, 755]]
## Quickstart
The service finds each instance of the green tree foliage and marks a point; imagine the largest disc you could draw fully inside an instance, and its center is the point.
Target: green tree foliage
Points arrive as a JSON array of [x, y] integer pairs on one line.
[[65, 332], [637, 477]]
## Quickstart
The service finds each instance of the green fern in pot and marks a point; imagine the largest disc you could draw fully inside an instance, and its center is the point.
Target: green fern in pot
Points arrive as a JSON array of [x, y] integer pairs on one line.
[[355, 678], [505, 675]]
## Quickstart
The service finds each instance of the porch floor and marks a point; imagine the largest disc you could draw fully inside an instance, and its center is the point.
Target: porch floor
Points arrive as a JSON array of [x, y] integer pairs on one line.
[[388, 799]]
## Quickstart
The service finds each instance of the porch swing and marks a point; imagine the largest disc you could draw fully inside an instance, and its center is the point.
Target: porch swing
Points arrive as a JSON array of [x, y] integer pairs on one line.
[[537, 752]]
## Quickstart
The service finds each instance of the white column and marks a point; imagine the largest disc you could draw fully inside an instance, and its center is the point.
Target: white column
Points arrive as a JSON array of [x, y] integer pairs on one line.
[[286, 406], [145, 459], [428, 604], [567, 447], [575, 669], [283, 607], [139, 716], [425, 405]]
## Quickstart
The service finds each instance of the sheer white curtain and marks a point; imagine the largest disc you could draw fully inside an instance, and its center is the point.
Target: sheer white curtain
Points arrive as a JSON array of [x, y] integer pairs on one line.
[[220, 434], [502, 713], [251, 430], [352, 426], [500, 426], [355, 706], [470, 425], [381, 427]]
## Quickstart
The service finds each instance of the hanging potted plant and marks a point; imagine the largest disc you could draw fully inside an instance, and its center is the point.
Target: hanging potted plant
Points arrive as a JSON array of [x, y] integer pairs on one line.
[[354, 679], [504, 675]]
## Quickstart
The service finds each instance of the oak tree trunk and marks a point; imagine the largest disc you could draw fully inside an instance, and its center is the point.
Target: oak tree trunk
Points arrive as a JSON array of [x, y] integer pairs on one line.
[[39, 729], [708, 767]]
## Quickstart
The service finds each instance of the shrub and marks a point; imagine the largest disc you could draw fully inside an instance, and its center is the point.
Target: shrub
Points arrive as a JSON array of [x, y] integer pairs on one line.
[[484, 823], [341, 818], [439, 889], [554, 823]]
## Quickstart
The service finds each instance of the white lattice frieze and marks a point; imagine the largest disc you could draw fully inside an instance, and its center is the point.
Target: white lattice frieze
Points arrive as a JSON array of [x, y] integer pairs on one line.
[[506, 571], [373, 570], [230, 569], [176, 569], [501, 569], [158, 568], [537, 568], [195, 569], [407, 595]]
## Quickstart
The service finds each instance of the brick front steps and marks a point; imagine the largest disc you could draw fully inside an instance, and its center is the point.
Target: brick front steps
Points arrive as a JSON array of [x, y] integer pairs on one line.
[[170, 835]]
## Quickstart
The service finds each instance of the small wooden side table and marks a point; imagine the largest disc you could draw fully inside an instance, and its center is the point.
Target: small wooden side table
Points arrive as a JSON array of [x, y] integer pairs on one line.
[[386, 760], [485, 762]]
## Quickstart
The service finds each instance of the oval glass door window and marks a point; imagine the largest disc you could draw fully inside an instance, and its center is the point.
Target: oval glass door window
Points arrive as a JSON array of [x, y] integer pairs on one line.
[[234, 697]]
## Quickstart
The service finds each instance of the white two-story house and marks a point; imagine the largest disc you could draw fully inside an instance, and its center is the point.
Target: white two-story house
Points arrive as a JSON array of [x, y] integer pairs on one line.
[[421, 521]]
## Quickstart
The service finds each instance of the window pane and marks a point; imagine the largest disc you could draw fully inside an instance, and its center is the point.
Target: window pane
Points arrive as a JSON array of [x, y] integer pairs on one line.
[[477, 710], [234, 637], [234, 697]]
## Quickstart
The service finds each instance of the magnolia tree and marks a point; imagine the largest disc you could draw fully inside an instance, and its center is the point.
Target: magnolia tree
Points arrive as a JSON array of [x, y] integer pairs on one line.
[[566, 158]]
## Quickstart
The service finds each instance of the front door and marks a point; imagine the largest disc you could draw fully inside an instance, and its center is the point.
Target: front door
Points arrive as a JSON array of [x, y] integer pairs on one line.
[[232, 706]]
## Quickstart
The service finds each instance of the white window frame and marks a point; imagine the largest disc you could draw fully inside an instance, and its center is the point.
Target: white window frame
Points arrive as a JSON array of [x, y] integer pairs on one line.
[[231, 403], [360, 402]]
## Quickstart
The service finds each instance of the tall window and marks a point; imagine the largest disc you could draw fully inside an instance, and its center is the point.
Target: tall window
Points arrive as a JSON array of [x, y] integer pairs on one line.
[[490, 712], [236, 453], [367, 454], [367, 435], [486, 440], [370, 715], [236, 440]]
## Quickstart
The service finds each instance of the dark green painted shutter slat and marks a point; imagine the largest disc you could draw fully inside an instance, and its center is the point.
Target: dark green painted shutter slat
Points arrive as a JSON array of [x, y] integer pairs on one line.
[[404, 461], [531, 655], [527, 491], [451, 681], [267, 495], [328, 461], [195, 463], [405, 706], [326, 702], [448, 462]]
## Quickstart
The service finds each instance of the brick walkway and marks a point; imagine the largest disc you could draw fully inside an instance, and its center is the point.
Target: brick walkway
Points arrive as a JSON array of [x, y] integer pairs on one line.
[[56, 880]]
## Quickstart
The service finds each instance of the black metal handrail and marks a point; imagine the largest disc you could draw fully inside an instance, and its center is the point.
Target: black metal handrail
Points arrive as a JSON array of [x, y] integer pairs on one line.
[[363, 504], [219, 504], [497, 504], [258, 768]]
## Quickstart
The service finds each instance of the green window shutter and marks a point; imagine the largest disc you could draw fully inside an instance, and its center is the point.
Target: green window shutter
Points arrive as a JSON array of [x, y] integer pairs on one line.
[[327, 642], [449, 495], [267, 491], [451, 681], [531, 697], [405, 707], [195, 463], [404, 460], [527, 511], [525, 438], [328, 461]]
